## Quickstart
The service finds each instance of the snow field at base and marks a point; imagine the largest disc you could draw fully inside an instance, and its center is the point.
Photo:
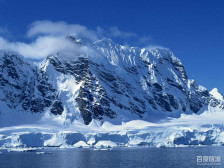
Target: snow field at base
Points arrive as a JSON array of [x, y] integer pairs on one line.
[[213, 135], [188, 130]]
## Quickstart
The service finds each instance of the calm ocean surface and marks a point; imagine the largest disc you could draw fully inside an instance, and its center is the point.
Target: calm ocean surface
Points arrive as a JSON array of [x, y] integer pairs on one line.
[[115, 158]]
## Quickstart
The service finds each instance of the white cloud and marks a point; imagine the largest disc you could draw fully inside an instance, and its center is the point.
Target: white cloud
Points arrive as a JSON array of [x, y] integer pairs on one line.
[[152, 47], [59, 29], [43, 46], [48, 37]]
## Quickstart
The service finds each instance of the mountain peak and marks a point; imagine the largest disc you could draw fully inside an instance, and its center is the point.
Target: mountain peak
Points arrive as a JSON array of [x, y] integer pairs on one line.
[[215, 92]]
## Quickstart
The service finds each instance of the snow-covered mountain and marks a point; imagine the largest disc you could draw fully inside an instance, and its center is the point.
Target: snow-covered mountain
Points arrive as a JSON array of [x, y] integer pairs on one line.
[[102, 81]]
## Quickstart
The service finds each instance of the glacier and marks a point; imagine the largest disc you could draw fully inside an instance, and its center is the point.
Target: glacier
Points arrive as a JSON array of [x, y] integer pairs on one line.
[[188, 130]]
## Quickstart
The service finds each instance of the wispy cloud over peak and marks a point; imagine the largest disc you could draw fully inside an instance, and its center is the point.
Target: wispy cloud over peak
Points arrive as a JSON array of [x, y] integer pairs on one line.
[[47, 27], [47, 37]]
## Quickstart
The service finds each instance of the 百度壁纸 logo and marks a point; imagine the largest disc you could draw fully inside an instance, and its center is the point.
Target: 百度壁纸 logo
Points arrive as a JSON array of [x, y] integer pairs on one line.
[[209, 160]]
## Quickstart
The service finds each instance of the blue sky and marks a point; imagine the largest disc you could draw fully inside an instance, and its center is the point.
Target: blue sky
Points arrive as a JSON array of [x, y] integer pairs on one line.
[[193, 30]]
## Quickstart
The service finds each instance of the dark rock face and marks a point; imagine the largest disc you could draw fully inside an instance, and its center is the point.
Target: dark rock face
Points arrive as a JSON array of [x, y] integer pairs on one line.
[[24, 86], [57, 108], [93, 101], [91, 106], [79, 68]]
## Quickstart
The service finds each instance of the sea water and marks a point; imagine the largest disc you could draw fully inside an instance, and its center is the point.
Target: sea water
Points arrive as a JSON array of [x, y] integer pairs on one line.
[[138, 157]]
